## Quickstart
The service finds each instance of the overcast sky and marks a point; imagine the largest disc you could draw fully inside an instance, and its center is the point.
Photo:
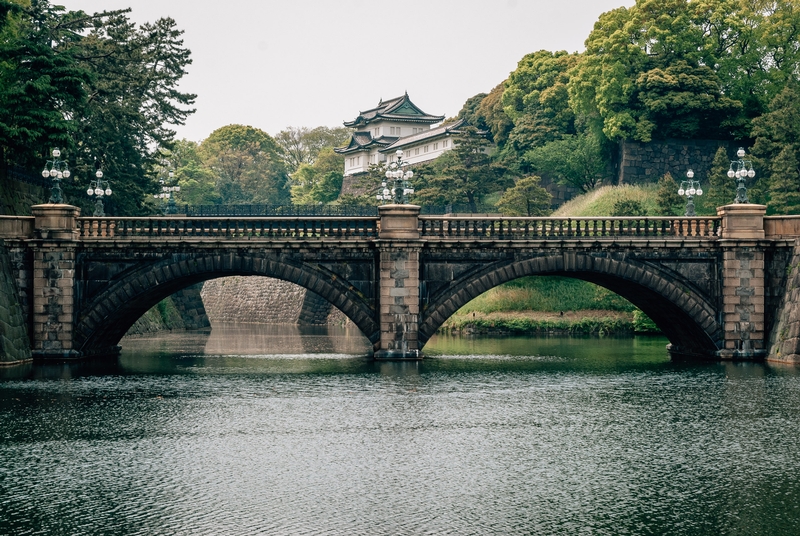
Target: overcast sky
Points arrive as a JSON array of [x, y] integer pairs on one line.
[[276, 63]]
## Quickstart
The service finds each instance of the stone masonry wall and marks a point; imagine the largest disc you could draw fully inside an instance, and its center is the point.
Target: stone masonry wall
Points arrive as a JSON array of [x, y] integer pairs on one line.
[[15, 344], [642, 163], [16, 198], [182, 310], [785, 336], [264, 300]]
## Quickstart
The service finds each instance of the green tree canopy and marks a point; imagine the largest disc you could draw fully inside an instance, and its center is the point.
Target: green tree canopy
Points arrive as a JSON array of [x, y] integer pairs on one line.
[[247, 165], [778, 150], [576, 161], [537, 101], [97, 86], [526, 198], [319, 182], [302, 145], [466, 173]]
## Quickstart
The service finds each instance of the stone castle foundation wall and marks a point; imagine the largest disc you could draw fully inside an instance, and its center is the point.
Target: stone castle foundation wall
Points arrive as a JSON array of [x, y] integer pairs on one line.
[[264, 300]]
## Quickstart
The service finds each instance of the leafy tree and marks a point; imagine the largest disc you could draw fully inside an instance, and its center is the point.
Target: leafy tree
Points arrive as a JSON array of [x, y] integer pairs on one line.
[[197, 182], [576, 161], [721, 190], [470, 112], [493, 115], [628, 207], [778, 148], [526, 198], [466, 173], [319, 182], [96, 86], [681, 101], [668, 201], [302, 145], [537, 101], [643, 75], [247, 165]]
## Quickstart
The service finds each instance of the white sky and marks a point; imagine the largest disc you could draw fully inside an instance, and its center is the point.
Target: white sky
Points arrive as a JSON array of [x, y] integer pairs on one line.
[[276, 63]]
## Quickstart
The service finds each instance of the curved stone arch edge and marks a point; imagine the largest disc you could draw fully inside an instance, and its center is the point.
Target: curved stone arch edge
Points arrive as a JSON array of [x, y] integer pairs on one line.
[[650, 278], [144, 287]]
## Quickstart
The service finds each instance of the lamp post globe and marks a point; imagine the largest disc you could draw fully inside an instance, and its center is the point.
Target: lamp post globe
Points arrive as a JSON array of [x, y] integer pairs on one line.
[[397, 186], [740, 170], [690, 188], [56, 169]]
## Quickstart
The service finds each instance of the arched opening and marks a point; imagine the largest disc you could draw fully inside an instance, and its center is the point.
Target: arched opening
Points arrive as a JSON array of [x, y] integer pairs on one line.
[[681, 311], [105, 320]]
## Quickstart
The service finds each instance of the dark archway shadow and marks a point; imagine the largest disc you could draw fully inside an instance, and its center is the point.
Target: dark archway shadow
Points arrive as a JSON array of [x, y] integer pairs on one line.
[[103, 322], [681, 311]]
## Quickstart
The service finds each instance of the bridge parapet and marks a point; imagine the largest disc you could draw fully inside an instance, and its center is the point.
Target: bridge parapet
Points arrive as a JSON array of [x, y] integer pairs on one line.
[[19, 227], [509, 228], [91, 229]]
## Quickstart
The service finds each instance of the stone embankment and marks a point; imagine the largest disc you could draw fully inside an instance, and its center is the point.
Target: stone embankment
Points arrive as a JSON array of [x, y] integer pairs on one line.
[[183, 310], [14, 342], [786, 333], [263, 300]]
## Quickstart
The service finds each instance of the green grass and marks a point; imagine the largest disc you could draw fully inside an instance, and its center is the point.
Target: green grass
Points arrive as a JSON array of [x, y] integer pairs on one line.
[[547, 294], [597, 326], [551, 294], [600, 202]]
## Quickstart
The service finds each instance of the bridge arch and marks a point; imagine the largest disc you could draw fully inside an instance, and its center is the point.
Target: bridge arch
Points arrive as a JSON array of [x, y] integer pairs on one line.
[[685, 316], [103, 321]]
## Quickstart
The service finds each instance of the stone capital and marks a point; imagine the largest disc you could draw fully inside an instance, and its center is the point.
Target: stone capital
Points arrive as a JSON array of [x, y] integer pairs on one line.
[[55, 222], [742, 221], [399, 222]]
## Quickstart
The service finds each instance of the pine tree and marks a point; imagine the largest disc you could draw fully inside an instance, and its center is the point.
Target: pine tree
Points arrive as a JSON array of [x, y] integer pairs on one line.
[[721, 189], [785, 183], [668, 201]]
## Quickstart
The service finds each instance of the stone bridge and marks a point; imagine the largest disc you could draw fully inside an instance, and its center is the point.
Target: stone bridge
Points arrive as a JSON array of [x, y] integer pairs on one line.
[[719, 287]]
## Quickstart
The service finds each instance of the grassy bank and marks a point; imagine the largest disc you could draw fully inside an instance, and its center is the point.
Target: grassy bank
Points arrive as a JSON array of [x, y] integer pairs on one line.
[[549, 304], [574, 322]]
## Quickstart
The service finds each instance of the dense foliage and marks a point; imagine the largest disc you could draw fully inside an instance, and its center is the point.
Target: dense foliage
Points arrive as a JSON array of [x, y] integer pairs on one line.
[[98, 87], [661, 69]]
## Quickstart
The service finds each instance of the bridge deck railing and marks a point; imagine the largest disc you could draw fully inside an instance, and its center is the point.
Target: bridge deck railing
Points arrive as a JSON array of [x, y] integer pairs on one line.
[[511, 228], [228, 228]]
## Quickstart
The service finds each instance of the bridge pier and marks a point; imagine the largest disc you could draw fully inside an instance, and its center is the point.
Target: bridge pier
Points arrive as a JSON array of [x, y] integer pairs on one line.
[[54, 248], [743, 294], [399, 248]]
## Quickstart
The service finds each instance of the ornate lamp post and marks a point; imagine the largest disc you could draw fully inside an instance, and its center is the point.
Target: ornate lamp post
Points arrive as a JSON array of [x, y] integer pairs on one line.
[[397, 186], [167, 192], [57, 170], [741, 169], [99, 188], [690, 188]]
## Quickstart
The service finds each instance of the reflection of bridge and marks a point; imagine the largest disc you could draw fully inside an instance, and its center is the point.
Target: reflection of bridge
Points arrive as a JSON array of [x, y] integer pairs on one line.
[[714, 285]]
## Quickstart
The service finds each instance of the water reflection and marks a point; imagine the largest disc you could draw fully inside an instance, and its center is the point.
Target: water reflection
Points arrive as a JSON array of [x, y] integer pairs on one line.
[[244, 433]]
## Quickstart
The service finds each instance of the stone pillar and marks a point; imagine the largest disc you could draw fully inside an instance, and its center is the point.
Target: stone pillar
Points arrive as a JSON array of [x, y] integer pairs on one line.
[[399, 246], [53, 295], [743, 282]]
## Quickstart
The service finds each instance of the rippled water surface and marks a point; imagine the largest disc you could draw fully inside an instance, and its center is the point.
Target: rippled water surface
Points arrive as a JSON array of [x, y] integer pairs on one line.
[[273, 432]]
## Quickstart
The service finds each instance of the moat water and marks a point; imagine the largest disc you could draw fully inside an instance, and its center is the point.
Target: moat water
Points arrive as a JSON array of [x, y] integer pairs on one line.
[[269, 430]]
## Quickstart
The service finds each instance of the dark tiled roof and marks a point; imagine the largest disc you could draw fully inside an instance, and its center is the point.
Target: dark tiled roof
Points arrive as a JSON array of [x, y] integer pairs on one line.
[[364, 140], [438, 132], [396, 109]]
